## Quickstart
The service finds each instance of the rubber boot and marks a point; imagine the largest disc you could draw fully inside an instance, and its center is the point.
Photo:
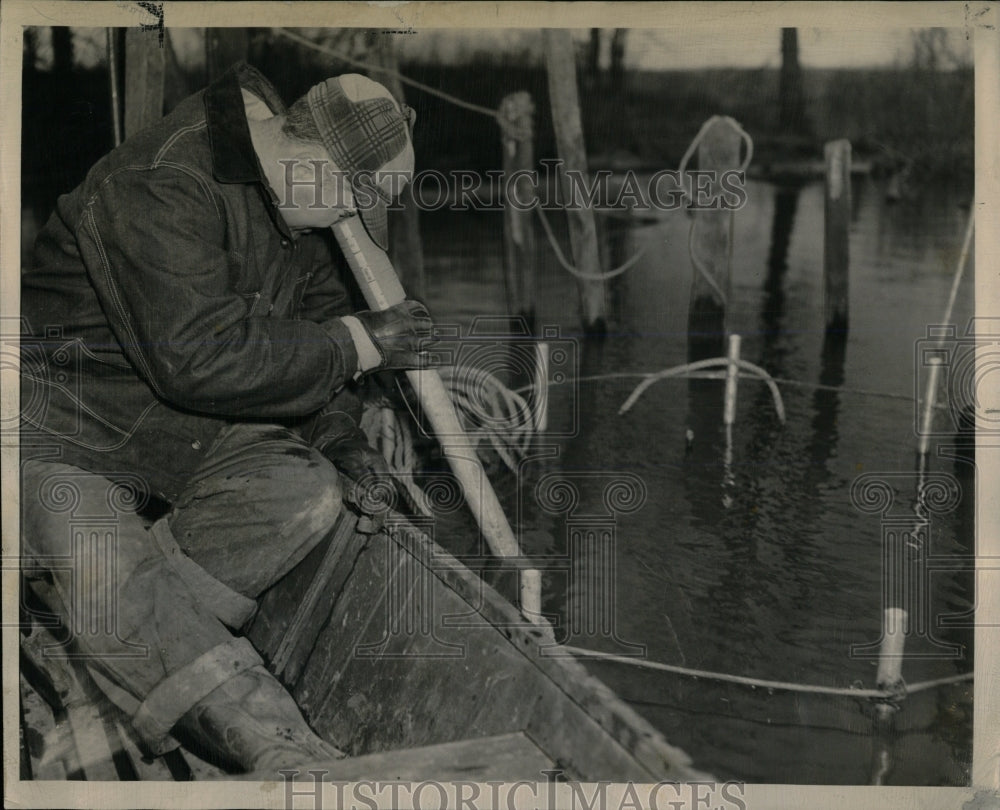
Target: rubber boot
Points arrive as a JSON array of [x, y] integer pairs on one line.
[[251, 723]]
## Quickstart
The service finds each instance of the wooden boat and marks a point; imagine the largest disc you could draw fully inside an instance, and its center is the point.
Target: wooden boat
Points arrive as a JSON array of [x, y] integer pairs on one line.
[[403, 657]]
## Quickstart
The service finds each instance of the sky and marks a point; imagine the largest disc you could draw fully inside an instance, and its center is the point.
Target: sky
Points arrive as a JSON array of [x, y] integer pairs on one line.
[[659, 49], [649, 49]]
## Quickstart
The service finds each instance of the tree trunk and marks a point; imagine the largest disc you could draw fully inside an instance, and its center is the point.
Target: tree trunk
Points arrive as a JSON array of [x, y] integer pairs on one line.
[[592, 68], [62, 49], [791, 99], [617, 68]]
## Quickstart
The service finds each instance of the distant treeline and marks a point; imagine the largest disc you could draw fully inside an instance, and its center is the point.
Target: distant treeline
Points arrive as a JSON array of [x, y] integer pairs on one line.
[[919, 121], [900, 119]]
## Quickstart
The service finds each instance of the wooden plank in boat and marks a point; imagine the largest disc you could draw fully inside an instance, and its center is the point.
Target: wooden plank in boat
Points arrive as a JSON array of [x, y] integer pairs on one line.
[[384, 672], [505, 756], [286, 636], [550, 725]]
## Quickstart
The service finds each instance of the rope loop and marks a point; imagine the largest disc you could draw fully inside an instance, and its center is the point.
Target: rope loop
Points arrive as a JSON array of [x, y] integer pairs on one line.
[[570, 268]]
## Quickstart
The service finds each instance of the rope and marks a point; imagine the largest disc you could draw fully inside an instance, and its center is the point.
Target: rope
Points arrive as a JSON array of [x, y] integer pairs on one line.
[[301, 40], [493, 410], [701, 135], [675, 371], [505, 122], [580, 273], [682, 169], [631, 375], [930, 391], [784, 686]]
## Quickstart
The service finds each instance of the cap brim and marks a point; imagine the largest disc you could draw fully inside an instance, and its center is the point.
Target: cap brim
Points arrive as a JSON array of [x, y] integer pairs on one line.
[[376, 222]]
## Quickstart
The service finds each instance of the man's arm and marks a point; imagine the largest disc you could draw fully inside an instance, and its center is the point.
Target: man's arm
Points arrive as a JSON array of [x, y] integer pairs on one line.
[[153, 243]]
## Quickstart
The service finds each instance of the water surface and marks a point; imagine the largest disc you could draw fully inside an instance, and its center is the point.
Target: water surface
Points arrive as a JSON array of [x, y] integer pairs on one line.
[[760, 566]]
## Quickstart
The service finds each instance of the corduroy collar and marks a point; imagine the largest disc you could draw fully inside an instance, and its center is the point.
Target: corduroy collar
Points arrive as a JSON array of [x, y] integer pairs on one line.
[[233, 157]]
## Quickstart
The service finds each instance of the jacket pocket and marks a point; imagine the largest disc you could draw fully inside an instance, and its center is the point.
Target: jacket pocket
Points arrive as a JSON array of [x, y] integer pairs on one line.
[[301, 284], [252, 301]]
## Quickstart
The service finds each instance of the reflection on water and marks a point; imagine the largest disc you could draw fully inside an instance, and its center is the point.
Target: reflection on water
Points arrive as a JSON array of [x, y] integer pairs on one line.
[[764, 567]]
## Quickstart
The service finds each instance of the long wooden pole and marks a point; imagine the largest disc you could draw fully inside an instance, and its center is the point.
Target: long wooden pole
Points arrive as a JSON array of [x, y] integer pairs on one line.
[[564, 97], [381, 288]]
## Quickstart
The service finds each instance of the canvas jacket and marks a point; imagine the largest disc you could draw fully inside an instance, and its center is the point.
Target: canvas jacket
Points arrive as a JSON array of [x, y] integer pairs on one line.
[[168, 297]]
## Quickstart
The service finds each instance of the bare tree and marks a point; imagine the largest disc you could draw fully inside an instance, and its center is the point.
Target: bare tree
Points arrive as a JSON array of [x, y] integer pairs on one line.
[[791, 95], [62, 49], [592, 65], [616, 70]]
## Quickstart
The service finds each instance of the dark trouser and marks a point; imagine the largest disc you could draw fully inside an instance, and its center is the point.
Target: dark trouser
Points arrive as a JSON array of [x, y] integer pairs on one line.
[[148, 608]]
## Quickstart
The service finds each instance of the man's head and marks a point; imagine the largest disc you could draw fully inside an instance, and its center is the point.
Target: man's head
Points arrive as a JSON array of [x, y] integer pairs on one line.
[[351, 129]]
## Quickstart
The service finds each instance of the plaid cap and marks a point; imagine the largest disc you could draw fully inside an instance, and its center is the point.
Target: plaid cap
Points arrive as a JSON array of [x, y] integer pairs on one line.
[[367, 134]]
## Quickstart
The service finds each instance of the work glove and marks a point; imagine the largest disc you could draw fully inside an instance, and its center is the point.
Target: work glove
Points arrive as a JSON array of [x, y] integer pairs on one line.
[[370, 487], [401, 335]]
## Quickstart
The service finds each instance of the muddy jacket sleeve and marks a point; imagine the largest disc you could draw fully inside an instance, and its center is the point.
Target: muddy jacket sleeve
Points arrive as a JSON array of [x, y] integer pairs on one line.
[[156, 247]]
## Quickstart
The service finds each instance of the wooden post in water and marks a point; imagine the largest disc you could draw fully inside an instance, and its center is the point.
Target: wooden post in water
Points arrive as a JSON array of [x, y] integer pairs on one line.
[[890, 678], [517, 112], [560, 63], [712, 242], [145, 69], [835, 237], [406, 248], [890, 655]]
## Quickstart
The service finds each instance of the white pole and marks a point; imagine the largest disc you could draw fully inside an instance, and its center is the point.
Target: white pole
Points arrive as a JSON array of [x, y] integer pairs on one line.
[[890, 654], [541, 386], [732, 378]]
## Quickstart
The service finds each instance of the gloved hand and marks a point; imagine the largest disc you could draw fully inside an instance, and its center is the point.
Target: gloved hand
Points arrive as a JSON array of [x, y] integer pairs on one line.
[[372, 489], [400, 334]]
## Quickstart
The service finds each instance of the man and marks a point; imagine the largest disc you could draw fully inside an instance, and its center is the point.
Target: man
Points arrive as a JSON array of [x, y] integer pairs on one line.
[[189, 334]]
